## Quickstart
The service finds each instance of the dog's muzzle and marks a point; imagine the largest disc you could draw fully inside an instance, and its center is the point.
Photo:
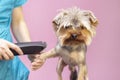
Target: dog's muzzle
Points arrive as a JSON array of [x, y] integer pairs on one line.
[[74, 36]]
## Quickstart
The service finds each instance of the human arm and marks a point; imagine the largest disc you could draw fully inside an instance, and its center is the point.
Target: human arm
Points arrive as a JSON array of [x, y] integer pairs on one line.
[[19, 27], [20, 30], [17, 21]]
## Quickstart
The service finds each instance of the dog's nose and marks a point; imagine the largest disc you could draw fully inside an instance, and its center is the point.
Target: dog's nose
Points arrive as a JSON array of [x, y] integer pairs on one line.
[[74, 36]]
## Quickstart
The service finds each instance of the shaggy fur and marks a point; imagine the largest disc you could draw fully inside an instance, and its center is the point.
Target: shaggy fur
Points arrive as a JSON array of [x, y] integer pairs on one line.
[[74, 29]]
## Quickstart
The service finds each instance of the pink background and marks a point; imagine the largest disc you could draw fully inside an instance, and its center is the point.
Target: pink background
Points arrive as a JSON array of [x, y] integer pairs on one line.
[[103, 55]]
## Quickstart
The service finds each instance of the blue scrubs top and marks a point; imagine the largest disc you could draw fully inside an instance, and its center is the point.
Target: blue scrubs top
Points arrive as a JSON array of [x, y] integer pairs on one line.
[[13, 69]]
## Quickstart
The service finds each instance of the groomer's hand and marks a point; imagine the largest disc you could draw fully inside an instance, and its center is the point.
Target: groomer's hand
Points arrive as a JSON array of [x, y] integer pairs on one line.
[[37, 61], [5, 52]]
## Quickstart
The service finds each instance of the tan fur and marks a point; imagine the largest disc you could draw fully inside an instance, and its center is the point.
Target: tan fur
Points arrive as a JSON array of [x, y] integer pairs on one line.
[[74, 29]]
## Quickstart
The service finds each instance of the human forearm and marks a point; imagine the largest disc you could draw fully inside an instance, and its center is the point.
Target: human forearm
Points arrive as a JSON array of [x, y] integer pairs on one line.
[[20, 32], [19, 28]]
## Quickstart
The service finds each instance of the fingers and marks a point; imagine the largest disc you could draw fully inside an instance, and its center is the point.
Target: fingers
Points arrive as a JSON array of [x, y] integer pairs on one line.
[[37, 61], [9, 53], [15, 47], [37, 64], [5, 52], [5, 56]]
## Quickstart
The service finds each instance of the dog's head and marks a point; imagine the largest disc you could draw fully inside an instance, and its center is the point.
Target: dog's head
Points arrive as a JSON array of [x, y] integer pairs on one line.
[[74, 26]]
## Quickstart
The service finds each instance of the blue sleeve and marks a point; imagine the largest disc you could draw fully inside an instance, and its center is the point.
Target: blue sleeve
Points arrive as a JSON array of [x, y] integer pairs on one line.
[[18, 3]]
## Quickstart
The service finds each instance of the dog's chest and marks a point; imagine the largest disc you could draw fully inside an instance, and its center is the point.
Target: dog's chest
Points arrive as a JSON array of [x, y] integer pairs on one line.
[[71, 57]]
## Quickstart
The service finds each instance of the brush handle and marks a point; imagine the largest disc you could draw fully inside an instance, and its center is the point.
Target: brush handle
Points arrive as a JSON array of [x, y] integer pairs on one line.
[[30, 47]]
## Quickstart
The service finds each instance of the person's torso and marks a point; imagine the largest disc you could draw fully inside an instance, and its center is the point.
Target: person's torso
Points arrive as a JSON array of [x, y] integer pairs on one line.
[[6, 8], [12, 69]]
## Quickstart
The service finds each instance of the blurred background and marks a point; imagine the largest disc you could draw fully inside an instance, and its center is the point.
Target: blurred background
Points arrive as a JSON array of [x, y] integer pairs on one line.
[[103, 55]]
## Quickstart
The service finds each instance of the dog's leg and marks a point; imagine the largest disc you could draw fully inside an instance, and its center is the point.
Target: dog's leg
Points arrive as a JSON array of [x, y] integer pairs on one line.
[[85, 72], [73, 75], [82, 72], [50, 54], [82, 68], [60, 67]]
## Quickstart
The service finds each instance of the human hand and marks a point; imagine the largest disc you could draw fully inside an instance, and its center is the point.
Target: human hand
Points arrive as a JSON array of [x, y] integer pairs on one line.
[[37, 61], [5, 52]]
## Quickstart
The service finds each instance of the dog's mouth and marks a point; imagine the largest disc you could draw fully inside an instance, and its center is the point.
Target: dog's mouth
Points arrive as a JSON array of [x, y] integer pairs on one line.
[[74, 41]]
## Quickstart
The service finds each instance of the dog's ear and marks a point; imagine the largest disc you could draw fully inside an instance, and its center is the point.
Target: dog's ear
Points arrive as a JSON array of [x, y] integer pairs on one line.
[[57, 21], [55, 25], [92, 18], [93, 21]]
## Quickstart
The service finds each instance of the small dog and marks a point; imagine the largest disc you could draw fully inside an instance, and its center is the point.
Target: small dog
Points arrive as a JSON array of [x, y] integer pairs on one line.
[[74, 29]]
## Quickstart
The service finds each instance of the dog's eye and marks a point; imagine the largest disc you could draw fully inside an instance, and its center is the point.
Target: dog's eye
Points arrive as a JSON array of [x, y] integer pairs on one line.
[[67, 27]]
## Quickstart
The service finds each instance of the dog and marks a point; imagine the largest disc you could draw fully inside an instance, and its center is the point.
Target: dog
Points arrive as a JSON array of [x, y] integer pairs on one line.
[[74, 29]]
